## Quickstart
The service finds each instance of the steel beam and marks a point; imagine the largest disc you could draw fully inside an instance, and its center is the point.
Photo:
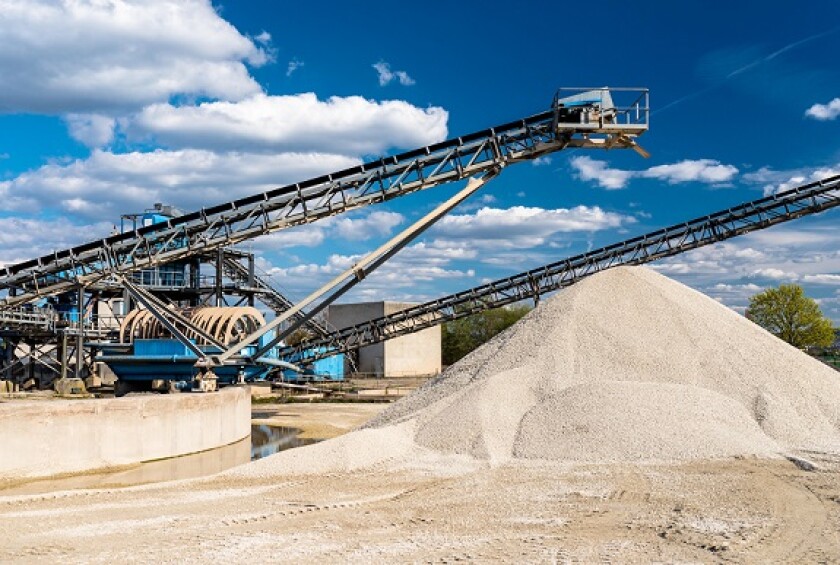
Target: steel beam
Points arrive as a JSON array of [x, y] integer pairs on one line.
[[378, 181], [746, 218], [355, 274]]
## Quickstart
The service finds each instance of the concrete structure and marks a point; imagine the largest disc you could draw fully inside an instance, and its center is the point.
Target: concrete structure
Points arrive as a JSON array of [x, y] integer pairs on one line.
[[49, 437], [410, 355]]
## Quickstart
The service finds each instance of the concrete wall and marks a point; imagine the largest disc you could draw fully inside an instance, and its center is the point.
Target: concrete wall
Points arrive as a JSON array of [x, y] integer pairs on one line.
[[413, 354], [410, 355], [372, 357], [48, 437]]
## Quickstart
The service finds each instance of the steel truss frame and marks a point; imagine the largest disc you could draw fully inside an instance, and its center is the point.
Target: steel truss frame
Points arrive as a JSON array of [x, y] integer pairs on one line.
[[321, 197], [725, 224], [271, 296]]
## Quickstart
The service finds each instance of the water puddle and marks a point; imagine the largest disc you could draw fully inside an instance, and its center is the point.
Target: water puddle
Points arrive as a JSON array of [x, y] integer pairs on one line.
[[268, 440], [264, 441]]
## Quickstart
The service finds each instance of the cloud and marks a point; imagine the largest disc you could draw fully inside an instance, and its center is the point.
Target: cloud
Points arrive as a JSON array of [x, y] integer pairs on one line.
[[521, 226], [354, 226], [91, 129], [244, 152], [294, 65], [99, 57], [789, 237], [497, 237], [824, 112], [541, 161], [749, 288], [702, 170], [386, 75], [106, 184], [377, 223], [774, 181], [24, 238], [774, 274], [305, 235], [402, 273], [707, 171], [589, 169], [723, 258], [348, 125], [830, 279]]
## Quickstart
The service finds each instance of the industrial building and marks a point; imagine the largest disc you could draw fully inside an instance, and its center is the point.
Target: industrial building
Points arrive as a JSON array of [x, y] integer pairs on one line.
[[411, 355]]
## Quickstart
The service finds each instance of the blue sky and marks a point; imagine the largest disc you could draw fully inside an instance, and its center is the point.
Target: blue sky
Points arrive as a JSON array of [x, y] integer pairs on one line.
[[106, 108]]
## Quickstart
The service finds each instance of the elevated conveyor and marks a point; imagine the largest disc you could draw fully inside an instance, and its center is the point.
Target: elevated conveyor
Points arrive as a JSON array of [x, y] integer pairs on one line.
[[725, 224], [585, 122]]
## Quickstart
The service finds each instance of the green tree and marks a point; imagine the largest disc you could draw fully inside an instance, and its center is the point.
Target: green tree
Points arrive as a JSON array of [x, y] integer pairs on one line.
[[790, 315], [461, 336]]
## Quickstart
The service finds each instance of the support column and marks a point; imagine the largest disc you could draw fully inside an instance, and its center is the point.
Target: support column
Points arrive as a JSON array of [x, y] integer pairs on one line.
[[251, 278], [126, 302], [62, 351], [220, 257], [31, 368], [80, 337], [94, 310], [195, 281]]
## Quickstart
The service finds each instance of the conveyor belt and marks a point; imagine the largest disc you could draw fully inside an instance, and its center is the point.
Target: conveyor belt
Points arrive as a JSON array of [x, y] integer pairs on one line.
[[328, 195], [725, 224]]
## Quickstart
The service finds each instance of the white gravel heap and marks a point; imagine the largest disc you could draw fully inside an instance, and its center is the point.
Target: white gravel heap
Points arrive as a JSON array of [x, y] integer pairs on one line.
[[626, 365]]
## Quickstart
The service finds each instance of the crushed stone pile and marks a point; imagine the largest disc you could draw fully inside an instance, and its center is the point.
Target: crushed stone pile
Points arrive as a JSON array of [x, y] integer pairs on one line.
[[626, 365]]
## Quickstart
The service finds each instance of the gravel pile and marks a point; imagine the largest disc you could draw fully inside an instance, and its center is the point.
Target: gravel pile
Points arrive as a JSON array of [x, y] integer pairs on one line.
[[626, 365]]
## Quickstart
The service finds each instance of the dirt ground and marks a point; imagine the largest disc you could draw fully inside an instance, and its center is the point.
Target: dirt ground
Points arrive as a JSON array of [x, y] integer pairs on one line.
[[744, 510], [735, 510], [316, 420]]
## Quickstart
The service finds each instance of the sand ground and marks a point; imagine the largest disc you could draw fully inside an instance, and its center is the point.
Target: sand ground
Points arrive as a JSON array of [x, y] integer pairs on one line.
[[316, 420], [745, 510]]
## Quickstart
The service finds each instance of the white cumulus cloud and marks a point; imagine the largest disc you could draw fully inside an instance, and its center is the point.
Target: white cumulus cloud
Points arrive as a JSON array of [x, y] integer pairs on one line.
[[96, 56], [775, 181], [523, 227], [91, 129], [774, 274], [707, 171], [589, 169], [701, 170], [349, 125], [106, 184], [24, 238], [377, 223], [353, 226], [824, 112], [821, 278], [737, 288]]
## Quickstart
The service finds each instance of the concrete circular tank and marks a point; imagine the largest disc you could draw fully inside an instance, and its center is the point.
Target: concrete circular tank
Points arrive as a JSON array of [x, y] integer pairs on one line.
[[49, 437]]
